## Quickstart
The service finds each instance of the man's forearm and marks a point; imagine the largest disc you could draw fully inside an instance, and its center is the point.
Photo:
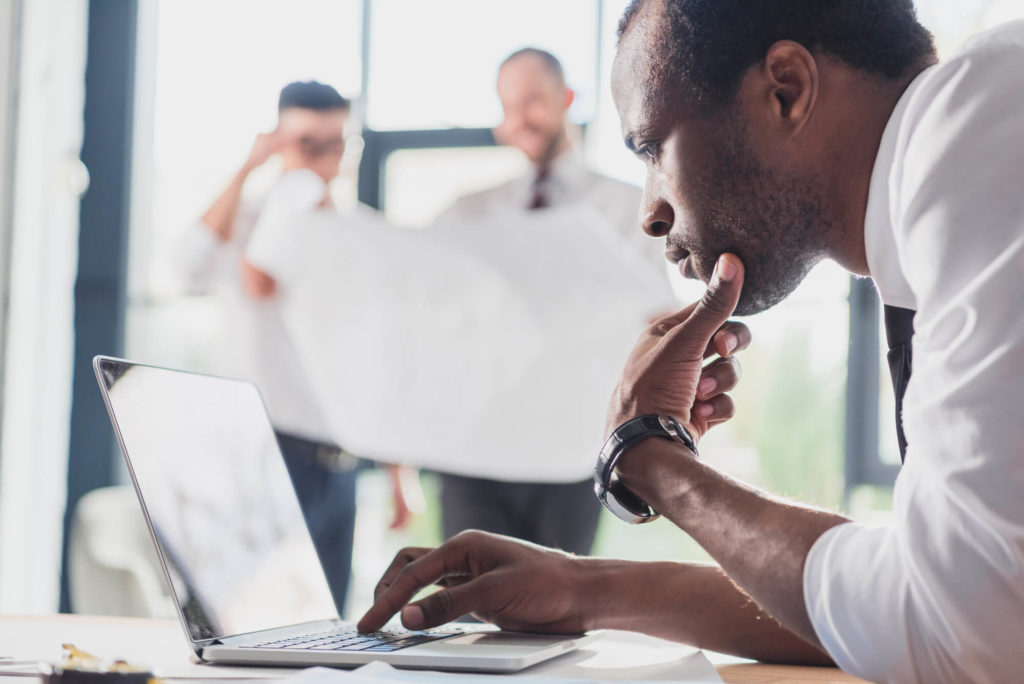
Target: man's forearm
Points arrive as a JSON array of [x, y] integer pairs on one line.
[[220, 217], [760, 542], [690, 603]]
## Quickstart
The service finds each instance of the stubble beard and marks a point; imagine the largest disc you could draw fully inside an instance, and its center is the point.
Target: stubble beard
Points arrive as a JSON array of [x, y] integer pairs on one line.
[[776, 222]]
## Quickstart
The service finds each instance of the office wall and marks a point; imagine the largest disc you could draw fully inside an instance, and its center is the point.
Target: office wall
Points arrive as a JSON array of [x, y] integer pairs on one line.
[[47, 182]]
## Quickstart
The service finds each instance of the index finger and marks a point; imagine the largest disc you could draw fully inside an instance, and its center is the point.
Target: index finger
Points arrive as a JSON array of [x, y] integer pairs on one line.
[[732, 337], [402, 559], [426, 570]]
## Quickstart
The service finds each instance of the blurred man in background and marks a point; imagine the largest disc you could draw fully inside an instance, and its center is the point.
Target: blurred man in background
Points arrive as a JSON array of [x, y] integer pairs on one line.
[[310, 139], [535, 99]]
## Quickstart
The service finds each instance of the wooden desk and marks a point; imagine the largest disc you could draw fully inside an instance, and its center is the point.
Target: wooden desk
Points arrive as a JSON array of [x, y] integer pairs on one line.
[[759, 673], [161, 642]]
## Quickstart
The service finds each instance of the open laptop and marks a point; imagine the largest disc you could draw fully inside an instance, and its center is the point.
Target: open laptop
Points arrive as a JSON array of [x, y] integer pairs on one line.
[[235, 548]]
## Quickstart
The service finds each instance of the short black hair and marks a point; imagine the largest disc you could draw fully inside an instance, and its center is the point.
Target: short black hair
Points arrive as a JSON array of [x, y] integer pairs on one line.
[[550, 61], [706, 46], [311, 95]]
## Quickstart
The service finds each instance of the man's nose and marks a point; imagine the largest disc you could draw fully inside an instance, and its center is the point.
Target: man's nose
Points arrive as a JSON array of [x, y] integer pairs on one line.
[[656, 214], [656, 218]]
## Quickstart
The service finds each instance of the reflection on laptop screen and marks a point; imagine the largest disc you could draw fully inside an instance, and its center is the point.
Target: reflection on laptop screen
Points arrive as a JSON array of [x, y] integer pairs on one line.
[[219, 500]]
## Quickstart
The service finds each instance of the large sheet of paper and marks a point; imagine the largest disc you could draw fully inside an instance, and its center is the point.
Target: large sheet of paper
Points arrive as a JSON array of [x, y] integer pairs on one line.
[[482, 350]]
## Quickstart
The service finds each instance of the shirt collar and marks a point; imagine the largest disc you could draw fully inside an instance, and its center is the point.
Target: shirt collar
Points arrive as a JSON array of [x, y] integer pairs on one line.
[[568, 168], [879, 219], [566, 174]]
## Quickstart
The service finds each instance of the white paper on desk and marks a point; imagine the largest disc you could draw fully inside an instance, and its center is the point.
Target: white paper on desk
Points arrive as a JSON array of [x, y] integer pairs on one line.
[[484, 350]]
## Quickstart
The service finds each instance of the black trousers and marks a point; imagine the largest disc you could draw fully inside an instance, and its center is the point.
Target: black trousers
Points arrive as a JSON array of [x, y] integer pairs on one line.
[[562, 516], [325, 483]]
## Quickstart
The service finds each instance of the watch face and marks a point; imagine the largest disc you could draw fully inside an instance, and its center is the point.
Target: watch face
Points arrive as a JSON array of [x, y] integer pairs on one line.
[[627, 515], [626, 505]]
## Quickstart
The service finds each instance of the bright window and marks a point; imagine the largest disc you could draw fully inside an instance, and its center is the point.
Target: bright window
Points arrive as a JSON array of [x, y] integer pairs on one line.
[[215, 70], [434, 64], [219, 67]]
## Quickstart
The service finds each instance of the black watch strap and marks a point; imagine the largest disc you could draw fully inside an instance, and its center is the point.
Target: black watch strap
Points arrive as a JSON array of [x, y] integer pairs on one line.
[[615, 497]]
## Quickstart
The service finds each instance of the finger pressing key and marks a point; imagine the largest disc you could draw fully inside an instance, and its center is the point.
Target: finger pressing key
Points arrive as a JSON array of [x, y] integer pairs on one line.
[[448, 604], [428, 569], [401, 560]]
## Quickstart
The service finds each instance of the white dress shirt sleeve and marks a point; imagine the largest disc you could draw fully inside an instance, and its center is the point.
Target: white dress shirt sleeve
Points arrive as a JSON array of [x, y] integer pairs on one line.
[[201, 260], [197, 255], [938, 595]]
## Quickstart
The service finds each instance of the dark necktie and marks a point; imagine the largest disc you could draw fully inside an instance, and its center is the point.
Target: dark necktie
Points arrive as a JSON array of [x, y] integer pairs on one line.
[[538, 189], [899, 333]]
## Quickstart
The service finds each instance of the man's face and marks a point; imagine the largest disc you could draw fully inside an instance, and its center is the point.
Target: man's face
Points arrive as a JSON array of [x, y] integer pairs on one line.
[[312, 139], [535, 104], [708, 191]]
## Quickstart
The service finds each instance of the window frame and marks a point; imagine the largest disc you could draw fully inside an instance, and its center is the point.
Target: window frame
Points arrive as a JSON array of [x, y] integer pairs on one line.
[[863, 461]]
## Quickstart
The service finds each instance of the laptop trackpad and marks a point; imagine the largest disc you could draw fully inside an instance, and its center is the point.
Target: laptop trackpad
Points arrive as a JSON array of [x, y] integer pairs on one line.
[[497, 642], [511, 639]]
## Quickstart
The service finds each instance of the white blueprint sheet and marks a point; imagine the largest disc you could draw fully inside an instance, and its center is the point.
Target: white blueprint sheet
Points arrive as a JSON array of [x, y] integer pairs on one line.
[[485, 350]]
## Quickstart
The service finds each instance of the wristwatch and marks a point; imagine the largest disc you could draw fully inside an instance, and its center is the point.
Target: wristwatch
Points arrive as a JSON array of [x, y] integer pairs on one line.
[[613, 494]]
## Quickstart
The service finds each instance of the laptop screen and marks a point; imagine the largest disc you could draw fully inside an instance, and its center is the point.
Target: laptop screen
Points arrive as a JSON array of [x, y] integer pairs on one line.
[[219, 501]]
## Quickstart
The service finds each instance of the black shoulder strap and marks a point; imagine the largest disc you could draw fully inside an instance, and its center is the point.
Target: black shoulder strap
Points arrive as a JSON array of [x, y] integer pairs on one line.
[[899, 333]]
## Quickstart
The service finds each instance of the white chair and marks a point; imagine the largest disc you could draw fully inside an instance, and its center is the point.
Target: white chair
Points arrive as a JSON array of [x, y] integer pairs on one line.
[[114, 569]]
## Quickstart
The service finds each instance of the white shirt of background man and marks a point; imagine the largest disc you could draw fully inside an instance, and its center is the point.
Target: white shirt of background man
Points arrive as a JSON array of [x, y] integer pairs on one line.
[[569, 181]]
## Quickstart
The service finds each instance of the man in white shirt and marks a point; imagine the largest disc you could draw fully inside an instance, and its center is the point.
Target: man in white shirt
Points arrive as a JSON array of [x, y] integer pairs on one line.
[[775, 134], [209, 255], [535, 100]]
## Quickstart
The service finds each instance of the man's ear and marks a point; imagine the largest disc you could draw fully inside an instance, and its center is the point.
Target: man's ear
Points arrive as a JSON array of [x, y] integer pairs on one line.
[[570, 97], [793, 81]]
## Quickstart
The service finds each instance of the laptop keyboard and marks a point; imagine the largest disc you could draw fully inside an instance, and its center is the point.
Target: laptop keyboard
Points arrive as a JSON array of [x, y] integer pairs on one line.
[[348, 639]]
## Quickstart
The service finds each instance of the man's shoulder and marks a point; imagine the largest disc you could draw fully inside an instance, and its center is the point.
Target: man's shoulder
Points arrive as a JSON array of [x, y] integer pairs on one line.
[[980, 65], [1005, 36], [968, 102], [974, 94], [955, 208]]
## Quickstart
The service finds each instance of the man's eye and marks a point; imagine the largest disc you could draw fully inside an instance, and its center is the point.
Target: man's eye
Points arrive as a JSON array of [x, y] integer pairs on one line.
[[648, 151]]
